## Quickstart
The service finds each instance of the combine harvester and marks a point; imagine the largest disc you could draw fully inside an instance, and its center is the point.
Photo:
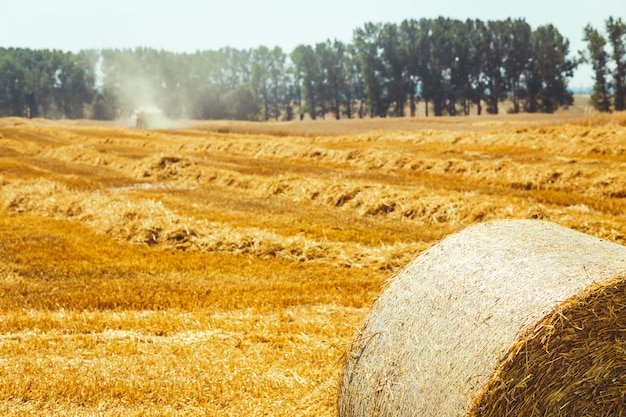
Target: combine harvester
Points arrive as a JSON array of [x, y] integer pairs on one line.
[[150, 118]]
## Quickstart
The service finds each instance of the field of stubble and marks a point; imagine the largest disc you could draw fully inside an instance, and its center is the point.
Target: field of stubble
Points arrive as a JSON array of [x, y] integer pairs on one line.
[[222, 268]]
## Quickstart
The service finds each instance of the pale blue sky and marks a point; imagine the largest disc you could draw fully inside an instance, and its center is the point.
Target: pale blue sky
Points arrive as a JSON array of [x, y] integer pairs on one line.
[[190, 25]]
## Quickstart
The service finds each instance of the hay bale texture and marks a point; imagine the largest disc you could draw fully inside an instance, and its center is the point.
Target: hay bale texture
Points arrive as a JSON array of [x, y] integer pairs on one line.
[[506, 318]]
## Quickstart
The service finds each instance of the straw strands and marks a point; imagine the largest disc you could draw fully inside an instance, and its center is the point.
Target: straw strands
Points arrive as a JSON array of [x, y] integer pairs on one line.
[[145, 221], [505, 318]]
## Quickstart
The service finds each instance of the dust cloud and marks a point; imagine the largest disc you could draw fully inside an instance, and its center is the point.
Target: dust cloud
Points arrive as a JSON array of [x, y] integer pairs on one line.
[[139, 101]]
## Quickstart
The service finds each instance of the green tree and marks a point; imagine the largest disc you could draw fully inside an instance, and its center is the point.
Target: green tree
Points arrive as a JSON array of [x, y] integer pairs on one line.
[[395, 72], [435, 62], [293, 96], [204, 85], [308, 69], [207, 103], [409, 48], [599, 59], [40, 83], [548, 71], [12, 84], [269, 79], [497, 48], [103, 106], [333, 88], [355, 88], [31, 61], [261, 78], [475, 32], [518, 34], [616, 30], [278, 81], [240, 104], [368, 47], [459, 88], [237, 66]]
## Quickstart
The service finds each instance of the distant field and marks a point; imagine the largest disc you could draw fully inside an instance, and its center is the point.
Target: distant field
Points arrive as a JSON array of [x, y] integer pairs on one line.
[[222, 268]]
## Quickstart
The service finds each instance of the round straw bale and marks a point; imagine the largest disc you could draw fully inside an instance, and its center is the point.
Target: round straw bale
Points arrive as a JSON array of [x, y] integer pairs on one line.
[[506, 318]]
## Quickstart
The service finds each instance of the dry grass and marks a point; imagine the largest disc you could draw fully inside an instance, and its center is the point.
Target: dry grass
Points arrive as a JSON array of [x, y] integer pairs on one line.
[[193, 272], [570, 365]]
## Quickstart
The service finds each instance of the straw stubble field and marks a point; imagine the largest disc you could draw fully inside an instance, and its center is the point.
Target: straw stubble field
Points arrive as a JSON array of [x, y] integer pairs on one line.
[[223, 268]]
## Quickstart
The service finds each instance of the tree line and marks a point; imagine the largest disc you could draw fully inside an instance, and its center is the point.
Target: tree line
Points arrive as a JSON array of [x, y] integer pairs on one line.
[[609, 90], [50, 84], [451, 66]]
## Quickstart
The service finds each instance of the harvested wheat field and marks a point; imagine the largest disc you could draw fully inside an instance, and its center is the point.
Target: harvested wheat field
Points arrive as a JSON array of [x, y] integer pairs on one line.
[[223, 268]]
